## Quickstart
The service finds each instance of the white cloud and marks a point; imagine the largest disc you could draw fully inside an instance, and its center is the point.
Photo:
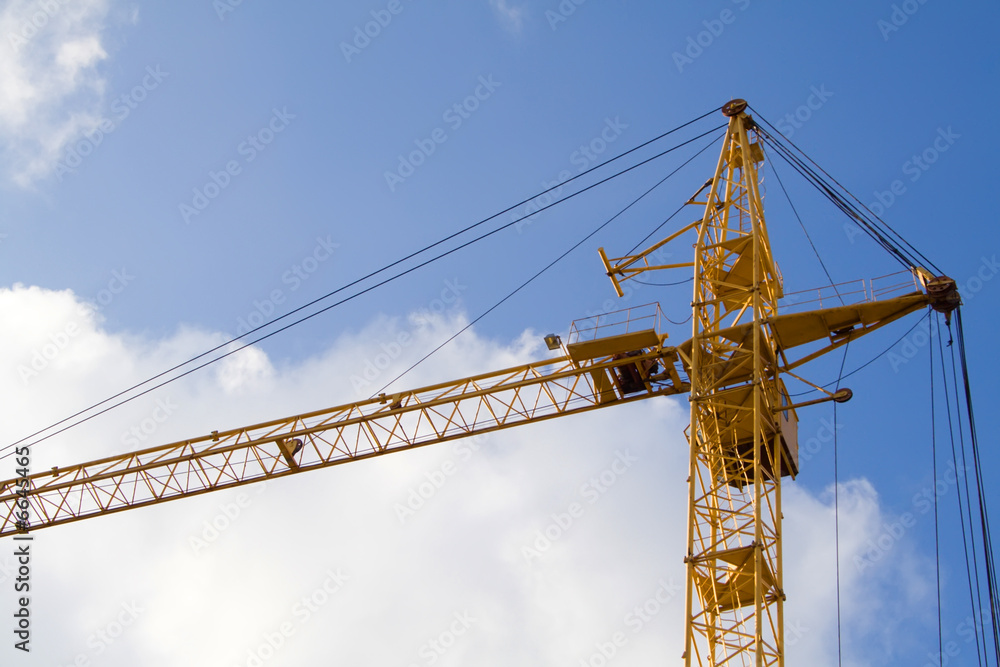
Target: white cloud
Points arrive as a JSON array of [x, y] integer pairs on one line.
[[217, 579], [51, 89], [512, 17], [876, 593], [244, 370]]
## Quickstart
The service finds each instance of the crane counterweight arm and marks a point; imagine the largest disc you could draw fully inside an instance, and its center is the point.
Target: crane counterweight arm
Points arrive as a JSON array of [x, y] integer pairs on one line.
[[481, 404]]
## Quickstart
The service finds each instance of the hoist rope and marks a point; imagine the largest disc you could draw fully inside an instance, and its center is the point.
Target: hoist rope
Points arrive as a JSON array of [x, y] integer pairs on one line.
[[991, 579], [977, 604], [836, 502], [868, 221], [937, 529], [970, 564]]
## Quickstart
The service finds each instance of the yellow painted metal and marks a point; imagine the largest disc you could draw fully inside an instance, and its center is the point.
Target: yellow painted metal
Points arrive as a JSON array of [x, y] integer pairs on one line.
[[611, 345], [836, 326], [391, 423], [734, 583], [621, 269], [743, 431]]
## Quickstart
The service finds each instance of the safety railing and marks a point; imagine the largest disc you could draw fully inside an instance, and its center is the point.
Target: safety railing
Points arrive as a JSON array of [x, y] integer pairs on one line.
[[851, 293], [628, 320]]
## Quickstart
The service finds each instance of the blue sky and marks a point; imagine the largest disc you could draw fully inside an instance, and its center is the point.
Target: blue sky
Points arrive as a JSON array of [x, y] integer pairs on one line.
[[169, 172]]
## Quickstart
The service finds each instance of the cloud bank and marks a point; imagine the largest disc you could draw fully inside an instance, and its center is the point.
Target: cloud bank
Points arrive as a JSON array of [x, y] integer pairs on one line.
[[454, 554]]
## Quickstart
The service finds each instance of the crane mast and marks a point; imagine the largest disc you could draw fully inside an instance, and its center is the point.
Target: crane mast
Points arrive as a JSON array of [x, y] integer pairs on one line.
[[742, 433], [737, 450]]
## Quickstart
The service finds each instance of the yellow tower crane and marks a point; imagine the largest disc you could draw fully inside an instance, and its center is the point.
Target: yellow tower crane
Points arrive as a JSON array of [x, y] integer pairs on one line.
[[743, 426], [742, 433]]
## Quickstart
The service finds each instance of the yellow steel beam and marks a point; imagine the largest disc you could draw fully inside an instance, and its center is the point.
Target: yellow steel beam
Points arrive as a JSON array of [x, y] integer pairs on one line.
[[620, 269], [390, 423], [734, 581], [742, 431], [741, 434]]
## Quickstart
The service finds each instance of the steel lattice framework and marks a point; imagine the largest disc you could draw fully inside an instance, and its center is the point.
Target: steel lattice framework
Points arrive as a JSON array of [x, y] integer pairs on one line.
[[390, 423], [742, 434], [734, 522]]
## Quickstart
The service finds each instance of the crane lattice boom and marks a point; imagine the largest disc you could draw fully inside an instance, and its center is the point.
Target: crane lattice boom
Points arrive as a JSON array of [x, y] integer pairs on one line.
[[593, 374], [743, 424]]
